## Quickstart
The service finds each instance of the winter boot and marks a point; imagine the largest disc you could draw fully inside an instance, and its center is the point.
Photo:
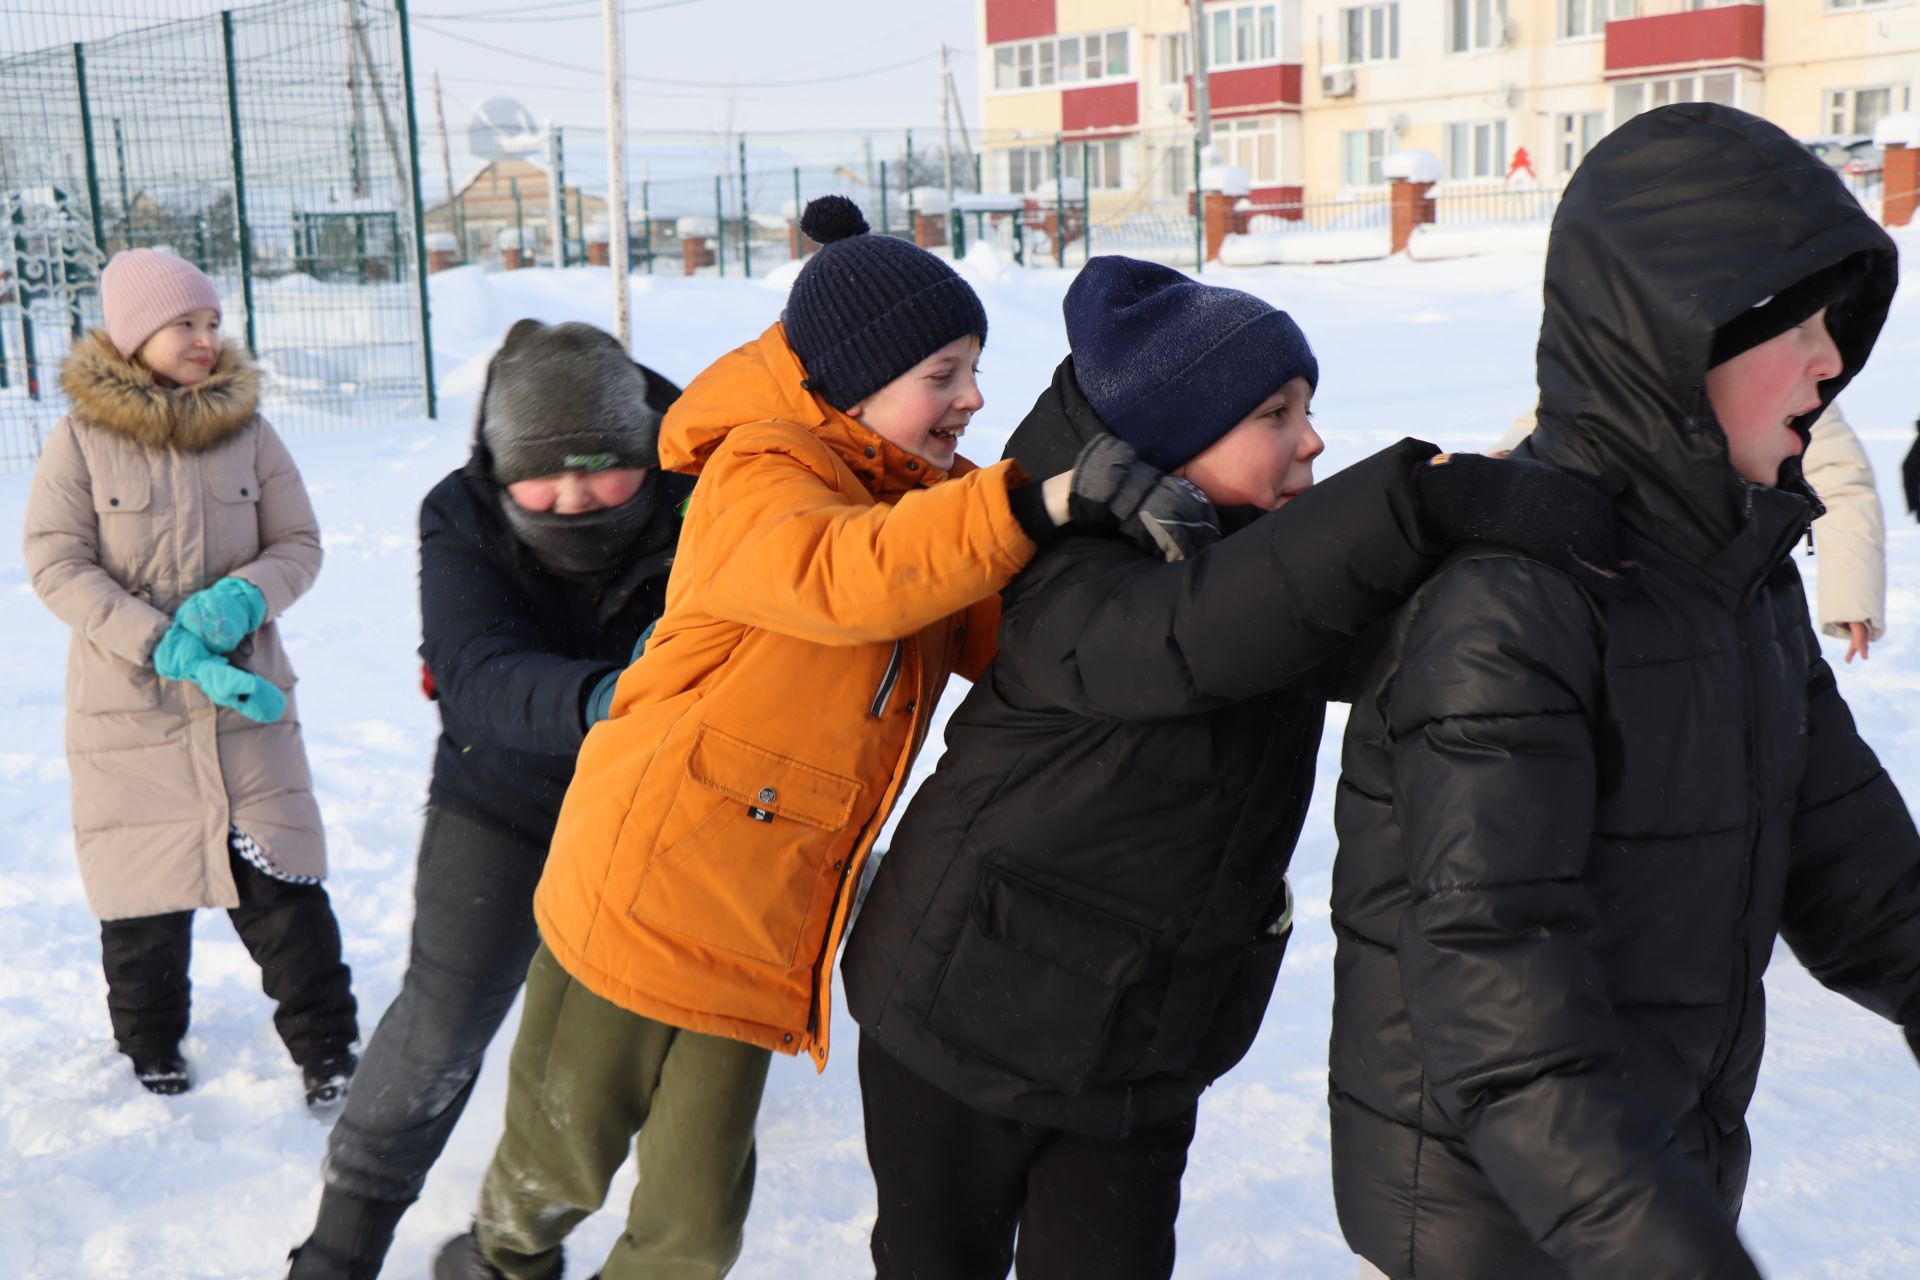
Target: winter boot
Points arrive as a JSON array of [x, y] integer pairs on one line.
[[326, 1079], [161, 1071], [350, 1238], [460, 1259]]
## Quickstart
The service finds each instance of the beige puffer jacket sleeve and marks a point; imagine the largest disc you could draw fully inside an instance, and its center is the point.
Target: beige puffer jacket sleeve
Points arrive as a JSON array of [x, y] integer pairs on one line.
[[1850, 541], [290, 555], [62, 551]]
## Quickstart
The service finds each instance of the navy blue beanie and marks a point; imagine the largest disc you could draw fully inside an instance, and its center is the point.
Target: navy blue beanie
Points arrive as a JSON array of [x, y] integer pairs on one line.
[[1171, 364], [866, 308]]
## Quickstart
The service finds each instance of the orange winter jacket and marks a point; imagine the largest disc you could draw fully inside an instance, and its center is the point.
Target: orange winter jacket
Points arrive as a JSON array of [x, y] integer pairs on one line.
[[826, 584]]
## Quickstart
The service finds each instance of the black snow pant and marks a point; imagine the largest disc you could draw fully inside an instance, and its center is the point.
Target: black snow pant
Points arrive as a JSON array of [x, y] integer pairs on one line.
[[965, 1195], [288, 929], [473, 936]]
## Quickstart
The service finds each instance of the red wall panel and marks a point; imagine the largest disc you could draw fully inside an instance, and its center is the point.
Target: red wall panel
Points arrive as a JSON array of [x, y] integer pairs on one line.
[[1018, 20], [1736, 33], [1255, 87], [1106, 106]]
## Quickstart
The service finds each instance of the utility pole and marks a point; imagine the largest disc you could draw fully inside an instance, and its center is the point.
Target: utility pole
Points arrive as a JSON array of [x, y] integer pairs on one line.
[[1202, 100], [355, 130], [617, 177], [458, 223], [556, 195], [966, 139], [946, 131]]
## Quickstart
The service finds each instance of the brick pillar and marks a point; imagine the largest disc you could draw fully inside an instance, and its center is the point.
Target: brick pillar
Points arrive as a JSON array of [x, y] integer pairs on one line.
[[599, 253], [696, 252], [1220, 220], [438, 260], [1412, 207], [930, 230], [512, 259], [1900, 184], [799, 243]]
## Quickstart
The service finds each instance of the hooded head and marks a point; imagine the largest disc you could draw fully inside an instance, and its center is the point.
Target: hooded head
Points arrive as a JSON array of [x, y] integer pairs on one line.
[[1690, 234]]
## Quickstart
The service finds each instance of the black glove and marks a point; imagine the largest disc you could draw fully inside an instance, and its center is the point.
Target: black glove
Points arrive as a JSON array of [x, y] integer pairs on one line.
[[1555, 516], [1910, 475], [1163, 514]]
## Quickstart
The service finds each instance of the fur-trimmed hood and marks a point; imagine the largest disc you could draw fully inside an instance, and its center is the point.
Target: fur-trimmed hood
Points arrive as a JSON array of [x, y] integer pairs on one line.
[[124, 397]]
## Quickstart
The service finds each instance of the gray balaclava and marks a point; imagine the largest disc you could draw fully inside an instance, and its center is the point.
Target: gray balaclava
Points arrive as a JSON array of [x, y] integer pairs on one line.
[[565, 397]]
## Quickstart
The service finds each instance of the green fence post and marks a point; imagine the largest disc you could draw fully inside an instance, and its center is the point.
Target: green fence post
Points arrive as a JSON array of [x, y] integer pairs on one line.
[[419, 214], [1086, 201], [883, 198], [240, 174], [799, 236], [746, 218], [719, 229], [906, 192], [86, 138], [1059, 203], [957, 229], [1199, 215], [646, 221], [126, 199], [559, 192]]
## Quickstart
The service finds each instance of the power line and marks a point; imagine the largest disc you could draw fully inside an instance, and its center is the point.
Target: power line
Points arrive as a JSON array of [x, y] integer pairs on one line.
[[836, 78]]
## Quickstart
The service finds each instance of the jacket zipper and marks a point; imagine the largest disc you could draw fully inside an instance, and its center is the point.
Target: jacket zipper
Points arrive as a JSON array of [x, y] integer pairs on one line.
[[887, 680]]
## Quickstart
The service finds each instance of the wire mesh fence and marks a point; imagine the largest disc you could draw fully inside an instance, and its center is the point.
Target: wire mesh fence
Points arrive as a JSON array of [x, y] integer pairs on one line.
[[269, 145]]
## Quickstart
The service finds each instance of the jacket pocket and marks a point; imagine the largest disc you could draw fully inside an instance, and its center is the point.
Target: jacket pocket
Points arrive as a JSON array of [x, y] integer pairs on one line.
[[751, 836], [235, 512], [1035, 978], [128, 492], [101, 682]]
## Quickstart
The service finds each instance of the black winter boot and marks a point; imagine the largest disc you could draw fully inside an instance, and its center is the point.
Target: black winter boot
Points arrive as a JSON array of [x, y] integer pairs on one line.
[[460, 1259], [161, 1071], [326, 1079], [350, 1238]]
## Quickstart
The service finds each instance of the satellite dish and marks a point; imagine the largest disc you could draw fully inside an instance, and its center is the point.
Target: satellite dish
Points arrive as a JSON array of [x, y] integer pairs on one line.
[[502, 127]]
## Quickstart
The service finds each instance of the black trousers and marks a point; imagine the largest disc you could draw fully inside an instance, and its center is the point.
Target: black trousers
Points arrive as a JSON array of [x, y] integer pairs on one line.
[[288, 929], [965, 1195], [473, 935]]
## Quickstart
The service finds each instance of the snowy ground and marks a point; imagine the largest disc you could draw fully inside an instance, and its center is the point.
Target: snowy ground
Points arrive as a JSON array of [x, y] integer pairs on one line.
[[100, 1180]]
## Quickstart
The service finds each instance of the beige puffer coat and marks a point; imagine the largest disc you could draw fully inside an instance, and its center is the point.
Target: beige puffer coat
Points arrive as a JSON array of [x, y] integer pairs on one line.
[[1851, 538], [144, 495]]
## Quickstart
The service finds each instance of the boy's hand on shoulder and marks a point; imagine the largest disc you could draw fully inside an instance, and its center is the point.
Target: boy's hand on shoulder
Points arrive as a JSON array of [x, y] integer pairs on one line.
[[1557, 517], [1165, 515]]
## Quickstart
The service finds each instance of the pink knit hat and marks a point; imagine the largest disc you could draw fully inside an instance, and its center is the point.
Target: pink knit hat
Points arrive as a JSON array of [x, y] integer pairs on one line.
[[143, 290]]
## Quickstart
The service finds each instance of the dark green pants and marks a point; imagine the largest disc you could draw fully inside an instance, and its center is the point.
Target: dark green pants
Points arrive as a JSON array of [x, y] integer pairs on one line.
[[586, 1076]]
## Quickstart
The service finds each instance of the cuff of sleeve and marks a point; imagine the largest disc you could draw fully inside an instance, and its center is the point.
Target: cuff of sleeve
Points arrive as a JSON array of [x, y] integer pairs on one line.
[[1029, 506], [597, 704]]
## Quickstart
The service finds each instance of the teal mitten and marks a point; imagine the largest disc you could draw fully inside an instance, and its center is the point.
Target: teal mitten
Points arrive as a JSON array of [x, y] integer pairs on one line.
[[223, 614], [181, 655]]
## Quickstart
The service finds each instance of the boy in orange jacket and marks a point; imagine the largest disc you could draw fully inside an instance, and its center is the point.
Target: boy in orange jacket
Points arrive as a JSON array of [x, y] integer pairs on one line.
[[839, 559]]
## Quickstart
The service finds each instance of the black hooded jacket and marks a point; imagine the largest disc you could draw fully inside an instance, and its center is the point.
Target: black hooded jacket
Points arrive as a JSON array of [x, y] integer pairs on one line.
[[1570, 831], [514, 648], [1073, 925]]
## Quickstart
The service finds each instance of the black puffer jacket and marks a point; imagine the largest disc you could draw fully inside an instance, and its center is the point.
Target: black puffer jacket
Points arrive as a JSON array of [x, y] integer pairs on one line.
[[1569, 831], [1072, 926], [514, 648]]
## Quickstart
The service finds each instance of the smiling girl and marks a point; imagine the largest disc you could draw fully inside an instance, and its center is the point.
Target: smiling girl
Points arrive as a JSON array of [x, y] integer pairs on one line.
[[169, 527]]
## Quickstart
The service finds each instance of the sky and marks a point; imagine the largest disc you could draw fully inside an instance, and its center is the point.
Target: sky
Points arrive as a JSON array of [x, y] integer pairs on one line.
[[874, 63]]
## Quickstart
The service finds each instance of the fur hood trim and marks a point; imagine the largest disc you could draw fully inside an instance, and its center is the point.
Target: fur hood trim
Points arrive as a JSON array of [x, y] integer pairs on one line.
[[115, 393]]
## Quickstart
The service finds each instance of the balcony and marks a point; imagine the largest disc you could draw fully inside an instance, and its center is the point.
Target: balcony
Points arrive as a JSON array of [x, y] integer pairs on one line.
[[1701, 37]]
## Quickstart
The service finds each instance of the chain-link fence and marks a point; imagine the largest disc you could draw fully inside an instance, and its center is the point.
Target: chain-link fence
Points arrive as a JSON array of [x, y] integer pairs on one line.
[[269, 145]]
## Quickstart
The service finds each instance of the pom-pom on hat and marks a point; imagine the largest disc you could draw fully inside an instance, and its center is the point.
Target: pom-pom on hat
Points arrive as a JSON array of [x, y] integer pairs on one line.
[[867, 308], [144, 290], [1171, 364], [565, 397]]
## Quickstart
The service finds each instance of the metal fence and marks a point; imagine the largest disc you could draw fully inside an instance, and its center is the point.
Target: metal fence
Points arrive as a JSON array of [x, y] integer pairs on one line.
[[270, 145]]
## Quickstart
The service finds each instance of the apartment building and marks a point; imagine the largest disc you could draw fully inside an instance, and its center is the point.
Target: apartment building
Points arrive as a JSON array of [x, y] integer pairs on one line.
[[1310, 95]]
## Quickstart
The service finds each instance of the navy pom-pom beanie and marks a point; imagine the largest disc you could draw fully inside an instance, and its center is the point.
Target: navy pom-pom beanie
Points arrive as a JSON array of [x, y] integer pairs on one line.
[[1171, 364], [866, 308]]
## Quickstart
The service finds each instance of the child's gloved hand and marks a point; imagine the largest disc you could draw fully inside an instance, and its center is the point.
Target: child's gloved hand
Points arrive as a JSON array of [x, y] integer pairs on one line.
[[181, 655], [1163, 514], [1555, 516], [223, 614]]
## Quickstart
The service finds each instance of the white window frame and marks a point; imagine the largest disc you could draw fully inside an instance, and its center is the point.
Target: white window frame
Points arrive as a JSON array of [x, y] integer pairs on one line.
[[1240, 141], [1855, 6], [1476, 26], [1176, 165], [1372, 146], [1025, 168], [1369, 33], [1840, 108], [1662, 91], [1588, 19], [1025, 66], [1175, 66], [1107, 157], [1243, 34], [1574, 134], [1476, 151]]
